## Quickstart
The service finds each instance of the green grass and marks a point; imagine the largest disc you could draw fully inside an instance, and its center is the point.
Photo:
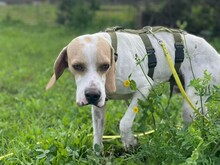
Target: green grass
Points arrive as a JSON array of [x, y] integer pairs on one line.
[[39, 127], [33, 120], [29, 14]]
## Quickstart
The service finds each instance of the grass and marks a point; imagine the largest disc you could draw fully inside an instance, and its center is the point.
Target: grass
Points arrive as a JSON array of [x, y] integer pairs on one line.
[[39, 127], [29, 14], [32, 122]]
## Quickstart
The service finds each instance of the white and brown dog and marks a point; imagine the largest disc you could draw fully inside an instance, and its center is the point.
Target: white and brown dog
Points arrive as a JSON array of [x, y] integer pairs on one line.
[[90, 59]]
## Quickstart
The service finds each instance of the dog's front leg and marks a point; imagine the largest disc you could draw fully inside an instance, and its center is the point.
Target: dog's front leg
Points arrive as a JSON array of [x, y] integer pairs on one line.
[[126, 122], [98, 119]]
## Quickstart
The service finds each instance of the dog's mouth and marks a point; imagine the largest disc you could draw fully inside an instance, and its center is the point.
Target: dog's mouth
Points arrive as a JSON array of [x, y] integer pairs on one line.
[[94, 103], [87, 103]]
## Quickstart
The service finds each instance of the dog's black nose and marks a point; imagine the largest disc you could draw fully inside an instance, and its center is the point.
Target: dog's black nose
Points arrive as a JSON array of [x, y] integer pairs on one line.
[[92, 96]]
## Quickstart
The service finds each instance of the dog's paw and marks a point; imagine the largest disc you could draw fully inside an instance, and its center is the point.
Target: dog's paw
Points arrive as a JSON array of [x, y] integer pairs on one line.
[[98, 149], [130, 145], [129, 141]]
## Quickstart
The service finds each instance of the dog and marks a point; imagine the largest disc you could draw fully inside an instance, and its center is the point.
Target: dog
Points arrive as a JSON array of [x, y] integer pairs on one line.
[[98, 76]]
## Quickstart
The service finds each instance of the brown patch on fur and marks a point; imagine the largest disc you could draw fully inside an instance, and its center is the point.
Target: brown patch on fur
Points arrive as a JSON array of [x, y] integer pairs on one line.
[[87, 39], [105, 55], [103, 52], [75, 56], [74, 51], [59, 66]]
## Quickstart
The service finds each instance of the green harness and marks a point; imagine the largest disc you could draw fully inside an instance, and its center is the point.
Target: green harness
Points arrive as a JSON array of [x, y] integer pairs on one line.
[[143, 33]]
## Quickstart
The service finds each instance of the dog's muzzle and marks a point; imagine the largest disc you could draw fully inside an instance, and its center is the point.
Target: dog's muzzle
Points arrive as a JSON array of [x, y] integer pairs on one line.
[[92, 96]]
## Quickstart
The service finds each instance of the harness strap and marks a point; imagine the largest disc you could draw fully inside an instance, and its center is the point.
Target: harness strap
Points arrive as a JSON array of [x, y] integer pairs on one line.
[[143, 33], [152, 61], [114, 43], [179, 54], [179, 57]]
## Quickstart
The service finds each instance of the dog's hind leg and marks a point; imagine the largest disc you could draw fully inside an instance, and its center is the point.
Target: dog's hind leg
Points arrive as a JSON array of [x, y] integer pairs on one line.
[[126, 122], [98, 119]]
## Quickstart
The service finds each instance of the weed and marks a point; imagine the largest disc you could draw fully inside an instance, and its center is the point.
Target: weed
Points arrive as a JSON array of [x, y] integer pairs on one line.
[[171, 144]]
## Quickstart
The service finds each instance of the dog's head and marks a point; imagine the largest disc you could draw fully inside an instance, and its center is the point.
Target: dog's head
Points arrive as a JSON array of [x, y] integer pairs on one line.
[[90, 59]]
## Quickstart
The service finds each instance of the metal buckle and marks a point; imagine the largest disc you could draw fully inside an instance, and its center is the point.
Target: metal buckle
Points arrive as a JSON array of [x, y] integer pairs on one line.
[[152, 61], [150, 51], [179, 46]]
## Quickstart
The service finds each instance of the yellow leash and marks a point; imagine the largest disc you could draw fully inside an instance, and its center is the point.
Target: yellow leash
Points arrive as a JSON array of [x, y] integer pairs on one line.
[[175, 75], [118, 136], [4, 156]]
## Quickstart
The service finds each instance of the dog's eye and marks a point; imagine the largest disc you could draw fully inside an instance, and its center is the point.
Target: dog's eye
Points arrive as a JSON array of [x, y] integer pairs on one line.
[[103, 67], [79, 67]]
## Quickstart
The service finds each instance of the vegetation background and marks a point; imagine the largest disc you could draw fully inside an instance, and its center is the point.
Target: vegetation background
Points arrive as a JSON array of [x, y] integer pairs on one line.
[[39, 127]]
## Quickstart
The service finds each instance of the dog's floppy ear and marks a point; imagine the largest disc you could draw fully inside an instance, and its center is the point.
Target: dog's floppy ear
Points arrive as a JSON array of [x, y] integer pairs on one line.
[[59, 66], [110, 76]]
